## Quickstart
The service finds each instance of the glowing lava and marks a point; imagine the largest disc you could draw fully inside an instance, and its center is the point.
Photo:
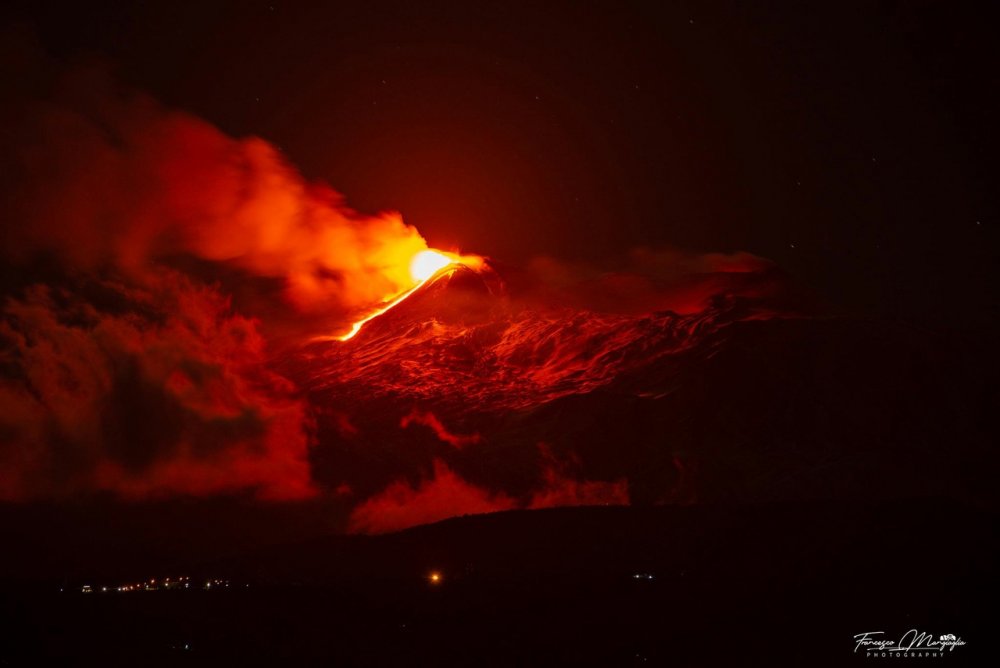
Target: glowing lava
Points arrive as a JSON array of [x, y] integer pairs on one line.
[[424, 266], [427, 263]]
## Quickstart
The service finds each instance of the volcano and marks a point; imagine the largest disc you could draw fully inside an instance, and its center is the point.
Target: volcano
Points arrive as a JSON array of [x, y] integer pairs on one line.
[[472, 395]]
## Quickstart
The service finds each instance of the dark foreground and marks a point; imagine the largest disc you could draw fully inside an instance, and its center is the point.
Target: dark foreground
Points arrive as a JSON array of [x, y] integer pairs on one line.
[[694, 586]]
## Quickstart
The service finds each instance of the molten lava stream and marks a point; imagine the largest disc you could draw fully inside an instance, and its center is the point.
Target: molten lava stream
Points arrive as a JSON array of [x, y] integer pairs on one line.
[[424, 266]]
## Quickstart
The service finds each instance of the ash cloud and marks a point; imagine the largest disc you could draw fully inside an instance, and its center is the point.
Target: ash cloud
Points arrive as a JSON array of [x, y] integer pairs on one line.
[[446, 494], [152, 266], [99, 178], [169, 395], [431, 421]]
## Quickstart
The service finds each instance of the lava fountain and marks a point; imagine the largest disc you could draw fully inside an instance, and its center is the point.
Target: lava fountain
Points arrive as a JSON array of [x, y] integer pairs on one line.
[[424, 266]]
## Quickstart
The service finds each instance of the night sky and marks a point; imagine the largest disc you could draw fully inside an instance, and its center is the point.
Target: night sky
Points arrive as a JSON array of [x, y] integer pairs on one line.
[[852, 143]]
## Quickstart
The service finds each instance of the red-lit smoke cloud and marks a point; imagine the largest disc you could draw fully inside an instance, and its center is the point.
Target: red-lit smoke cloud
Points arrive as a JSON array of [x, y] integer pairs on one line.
[[431, 421], [150, 260], [444, 495], [169, 395], [112, 180], [559, 492]]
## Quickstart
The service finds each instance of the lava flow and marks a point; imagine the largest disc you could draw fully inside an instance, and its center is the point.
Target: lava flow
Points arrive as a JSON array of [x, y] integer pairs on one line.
[[424, 266]]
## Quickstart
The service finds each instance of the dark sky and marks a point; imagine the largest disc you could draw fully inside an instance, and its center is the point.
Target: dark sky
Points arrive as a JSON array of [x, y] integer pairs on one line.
[[852, 143]]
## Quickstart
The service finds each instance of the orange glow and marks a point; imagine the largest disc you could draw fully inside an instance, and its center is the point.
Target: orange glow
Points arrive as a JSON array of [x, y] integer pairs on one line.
[[435, 578], [427, 263], [423, 266], [356, 327]]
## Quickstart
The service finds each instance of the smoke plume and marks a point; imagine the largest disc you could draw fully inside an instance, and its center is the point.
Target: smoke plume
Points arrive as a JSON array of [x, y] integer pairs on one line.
[[151, 265]]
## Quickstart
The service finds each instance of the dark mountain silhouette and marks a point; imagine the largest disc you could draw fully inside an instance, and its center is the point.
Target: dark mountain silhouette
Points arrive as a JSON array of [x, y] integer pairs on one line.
[[739, 401]]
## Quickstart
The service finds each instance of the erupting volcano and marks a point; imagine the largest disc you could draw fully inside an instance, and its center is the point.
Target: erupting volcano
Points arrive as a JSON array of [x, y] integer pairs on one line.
[[424, 265], [230, 328], [487, 389], [547, 333]]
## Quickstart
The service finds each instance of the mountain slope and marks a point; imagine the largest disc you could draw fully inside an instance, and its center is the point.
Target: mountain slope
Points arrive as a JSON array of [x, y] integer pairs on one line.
[[468, 395]]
